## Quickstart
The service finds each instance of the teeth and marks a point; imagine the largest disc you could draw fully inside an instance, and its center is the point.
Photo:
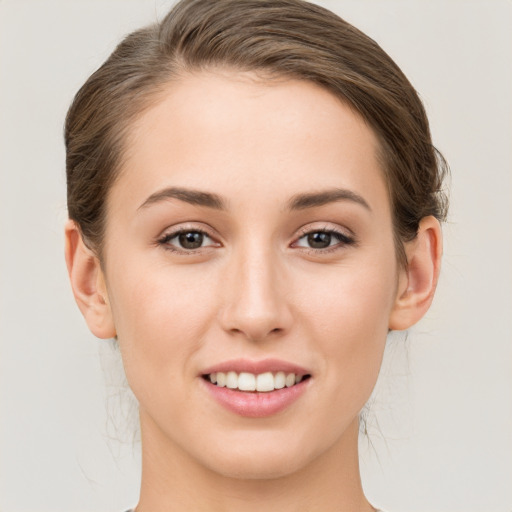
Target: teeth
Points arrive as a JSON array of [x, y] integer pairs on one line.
[[231, 380], [247, 382], [263, 382], [221, 379], [279, 380]]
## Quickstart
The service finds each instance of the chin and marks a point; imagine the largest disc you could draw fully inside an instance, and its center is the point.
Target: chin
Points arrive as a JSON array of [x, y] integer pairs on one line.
[[258, 459], [250, 467]]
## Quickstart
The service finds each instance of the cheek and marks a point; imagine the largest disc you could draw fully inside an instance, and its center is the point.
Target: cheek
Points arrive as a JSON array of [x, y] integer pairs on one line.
[[353, 300], [161, 315], [349, 321]]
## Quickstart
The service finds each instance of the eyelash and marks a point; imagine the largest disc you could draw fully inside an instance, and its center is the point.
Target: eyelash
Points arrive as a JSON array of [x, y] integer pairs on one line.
[[166, 238], [343, 240]]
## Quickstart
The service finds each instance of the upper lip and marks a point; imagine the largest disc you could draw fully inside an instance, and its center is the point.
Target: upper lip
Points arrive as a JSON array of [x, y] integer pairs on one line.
[[256, 367]]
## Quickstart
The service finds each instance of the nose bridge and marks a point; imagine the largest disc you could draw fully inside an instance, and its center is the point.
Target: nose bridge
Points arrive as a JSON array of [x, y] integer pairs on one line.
[[255, 299]]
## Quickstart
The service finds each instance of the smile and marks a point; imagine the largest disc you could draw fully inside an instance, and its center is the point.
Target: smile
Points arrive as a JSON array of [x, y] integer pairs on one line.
[[262, 382], [256, 389]]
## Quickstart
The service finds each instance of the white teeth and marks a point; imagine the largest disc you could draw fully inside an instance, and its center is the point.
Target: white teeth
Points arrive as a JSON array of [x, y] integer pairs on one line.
[[279, 380], [247, 382], [263, 382], [221, 379], [231, 380]]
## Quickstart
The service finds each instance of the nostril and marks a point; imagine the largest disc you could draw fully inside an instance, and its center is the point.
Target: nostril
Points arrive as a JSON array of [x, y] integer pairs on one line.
[[256, 333]]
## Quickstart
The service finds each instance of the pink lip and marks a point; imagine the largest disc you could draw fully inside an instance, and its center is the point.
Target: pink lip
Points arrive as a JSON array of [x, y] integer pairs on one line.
[[256, 367], [255, 404]]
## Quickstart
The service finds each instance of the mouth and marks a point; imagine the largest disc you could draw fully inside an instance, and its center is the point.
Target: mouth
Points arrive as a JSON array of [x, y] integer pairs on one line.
[[256, 389], [255, 383]]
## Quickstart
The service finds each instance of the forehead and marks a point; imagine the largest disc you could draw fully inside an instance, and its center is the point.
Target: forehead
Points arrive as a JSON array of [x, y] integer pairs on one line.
[[243, 137]]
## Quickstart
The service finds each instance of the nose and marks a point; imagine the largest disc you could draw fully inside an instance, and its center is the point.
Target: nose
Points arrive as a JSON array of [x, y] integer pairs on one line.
[[255, 296]]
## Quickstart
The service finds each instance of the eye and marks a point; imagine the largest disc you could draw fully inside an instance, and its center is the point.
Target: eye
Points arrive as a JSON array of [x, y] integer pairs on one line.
[[186, 240], [323, 239]]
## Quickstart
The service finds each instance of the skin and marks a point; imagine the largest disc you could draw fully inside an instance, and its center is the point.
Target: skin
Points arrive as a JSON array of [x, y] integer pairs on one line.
[[255, 289]]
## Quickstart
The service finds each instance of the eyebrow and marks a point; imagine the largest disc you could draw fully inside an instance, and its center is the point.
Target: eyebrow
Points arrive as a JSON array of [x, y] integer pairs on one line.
[[314, 199], [191, 196], [297, 202]]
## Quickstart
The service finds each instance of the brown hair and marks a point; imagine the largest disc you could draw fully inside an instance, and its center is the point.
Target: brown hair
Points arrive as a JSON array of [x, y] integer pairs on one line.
[[283, 38]]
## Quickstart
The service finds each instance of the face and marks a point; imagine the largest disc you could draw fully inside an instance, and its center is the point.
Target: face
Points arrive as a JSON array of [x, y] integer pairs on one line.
[[249, 242]]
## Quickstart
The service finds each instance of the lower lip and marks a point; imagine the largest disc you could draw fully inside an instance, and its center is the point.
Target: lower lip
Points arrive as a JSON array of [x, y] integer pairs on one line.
[[257, 405]]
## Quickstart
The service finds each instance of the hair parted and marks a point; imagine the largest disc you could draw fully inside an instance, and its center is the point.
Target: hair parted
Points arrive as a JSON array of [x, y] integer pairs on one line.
[[283, 38]]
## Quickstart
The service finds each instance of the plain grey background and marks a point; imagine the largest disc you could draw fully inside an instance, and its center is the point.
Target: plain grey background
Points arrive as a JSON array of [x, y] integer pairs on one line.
[[441, 422]]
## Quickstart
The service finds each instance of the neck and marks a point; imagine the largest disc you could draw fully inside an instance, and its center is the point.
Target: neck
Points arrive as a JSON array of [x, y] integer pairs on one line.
[[171, 479]]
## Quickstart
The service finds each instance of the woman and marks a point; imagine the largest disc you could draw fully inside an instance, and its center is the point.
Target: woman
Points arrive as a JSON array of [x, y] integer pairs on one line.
[[254, 203]]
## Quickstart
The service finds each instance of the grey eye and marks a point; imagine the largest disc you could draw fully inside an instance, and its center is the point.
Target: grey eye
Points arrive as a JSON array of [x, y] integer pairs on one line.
[[319, 239], [187, 240], [191, 239], [323, 239]]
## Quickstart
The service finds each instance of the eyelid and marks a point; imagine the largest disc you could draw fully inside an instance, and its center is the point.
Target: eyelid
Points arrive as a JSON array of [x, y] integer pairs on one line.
[[326, 227], [347, 235], [187, 227]]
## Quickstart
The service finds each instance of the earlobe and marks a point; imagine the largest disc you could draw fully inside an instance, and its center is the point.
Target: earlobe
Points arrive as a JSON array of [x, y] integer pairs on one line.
[[88, 283], [418, 280]]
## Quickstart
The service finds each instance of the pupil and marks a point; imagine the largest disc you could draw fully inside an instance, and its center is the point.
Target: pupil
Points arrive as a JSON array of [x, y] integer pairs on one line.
[[319, 240], [191, 240]]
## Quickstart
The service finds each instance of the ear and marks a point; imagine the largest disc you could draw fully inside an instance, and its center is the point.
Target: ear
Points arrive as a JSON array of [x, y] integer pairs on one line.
[[418, 281], [88, 283]]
